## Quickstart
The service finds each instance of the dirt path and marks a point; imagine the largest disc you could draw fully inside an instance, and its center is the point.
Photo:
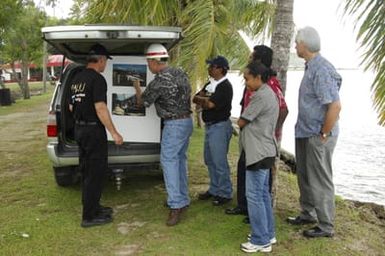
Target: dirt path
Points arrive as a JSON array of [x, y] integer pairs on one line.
[[21, 133]]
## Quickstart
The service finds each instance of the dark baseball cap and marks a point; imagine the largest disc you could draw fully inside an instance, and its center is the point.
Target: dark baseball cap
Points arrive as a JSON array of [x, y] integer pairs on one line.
[[99, 49], [219, 61]]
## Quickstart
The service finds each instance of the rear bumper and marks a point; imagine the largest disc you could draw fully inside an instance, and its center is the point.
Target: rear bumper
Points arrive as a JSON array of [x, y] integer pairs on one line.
[[119, 157]]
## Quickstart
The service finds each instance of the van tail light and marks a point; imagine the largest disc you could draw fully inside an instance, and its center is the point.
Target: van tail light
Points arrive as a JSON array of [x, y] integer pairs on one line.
[[51, 124]]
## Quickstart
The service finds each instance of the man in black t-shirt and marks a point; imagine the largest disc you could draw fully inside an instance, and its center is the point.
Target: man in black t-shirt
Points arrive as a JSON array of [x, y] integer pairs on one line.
[[215, 99], [89, 106]]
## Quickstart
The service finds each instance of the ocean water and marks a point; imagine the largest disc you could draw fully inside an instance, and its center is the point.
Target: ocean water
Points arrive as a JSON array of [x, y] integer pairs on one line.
[[359, 157]]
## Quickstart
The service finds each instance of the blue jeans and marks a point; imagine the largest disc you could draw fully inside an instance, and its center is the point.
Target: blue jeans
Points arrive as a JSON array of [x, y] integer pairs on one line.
[[216, 147], [259, 206], [173, 158]]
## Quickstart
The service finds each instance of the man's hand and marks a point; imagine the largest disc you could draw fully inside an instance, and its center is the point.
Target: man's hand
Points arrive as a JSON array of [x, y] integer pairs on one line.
[[117, 138], [203, 101], [138, 93], [136, 83]]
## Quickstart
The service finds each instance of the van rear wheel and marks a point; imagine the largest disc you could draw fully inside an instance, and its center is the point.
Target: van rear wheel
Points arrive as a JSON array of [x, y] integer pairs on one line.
[[66, 176]]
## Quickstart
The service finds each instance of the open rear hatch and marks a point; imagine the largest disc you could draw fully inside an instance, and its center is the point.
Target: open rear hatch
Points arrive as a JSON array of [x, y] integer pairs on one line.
[[75, 41]]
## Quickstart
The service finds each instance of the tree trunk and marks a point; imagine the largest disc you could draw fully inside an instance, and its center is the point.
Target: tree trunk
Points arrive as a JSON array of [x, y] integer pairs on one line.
[[280, 43], [24, 79], [281, 39]]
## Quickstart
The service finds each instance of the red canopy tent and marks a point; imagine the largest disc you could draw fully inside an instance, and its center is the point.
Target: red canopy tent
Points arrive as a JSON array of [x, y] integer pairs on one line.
[[56, 60]]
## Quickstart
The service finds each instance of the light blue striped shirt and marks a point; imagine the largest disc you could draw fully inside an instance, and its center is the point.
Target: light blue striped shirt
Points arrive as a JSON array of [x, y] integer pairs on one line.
[[319, 87]]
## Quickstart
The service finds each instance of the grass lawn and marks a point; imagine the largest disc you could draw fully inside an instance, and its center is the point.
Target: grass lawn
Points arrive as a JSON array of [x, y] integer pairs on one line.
[[39, 218], [37, 97]]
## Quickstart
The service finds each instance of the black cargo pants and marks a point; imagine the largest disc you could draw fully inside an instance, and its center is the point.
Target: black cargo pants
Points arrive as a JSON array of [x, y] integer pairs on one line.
[[92, 141], [241, 182]]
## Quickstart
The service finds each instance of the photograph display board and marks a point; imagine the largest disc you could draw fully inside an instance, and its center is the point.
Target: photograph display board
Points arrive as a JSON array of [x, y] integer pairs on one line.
[[135, 124]]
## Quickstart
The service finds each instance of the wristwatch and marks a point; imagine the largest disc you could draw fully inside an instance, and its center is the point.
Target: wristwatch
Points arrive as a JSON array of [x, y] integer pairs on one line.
[[324, 135]]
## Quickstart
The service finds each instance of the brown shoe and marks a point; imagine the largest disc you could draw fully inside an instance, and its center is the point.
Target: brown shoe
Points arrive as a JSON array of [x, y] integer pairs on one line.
[[174, 217]]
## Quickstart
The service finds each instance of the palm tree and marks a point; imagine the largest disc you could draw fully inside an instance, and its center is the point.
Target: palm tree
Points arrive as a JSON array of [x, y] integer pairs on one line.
[[283, 27], [370, 17], [210, 27]]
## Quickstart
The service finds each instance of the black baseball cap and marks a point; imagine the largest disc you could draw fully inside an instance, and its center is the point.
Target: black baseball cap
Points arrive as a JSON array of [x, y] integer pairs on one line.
[[219, 61], [99, 49]]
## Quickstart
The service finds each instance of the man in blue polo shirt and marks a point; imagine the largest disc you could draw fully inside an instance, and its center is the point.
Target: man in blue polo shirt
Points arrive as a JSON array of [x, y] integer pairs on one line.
[[316, 134]]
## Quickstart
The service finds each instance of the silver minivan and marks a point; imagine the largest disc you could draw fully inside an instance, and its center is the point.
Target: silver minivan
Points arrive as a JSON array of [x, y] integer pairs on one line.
[[141, 128]]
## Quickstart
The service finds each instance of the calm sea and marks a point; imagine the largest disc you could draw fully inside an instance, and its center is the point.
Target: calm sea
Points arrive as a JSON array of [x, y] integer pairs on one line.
[[359, 158]]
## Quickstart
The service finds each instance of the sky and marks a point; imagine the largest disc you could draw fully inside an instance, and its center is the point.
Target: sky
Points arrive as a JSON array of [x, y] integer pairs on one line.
[[61, 10], [338, 42]]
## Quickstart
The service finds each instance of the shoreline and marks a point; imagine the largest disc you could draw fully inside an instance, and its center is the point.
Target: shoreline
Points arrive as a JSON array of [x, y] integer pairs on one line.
[[288, 164]]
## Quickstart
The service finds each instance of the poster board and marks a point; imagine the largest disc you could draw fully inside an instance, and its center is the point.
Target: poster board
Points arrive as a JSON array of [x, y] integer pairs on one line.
[[133, 123]]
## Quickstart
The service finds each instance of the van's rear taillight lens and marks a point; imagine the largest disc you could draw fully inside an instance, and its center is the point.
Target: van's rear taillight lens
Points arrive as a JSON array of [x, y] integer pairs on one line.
[[51, 125]]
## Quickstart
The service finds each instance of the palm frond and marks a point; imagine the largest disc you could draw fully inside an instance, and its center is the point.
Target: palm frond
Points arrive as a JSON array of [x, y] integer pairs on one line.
[[210, 27], [370, 16]]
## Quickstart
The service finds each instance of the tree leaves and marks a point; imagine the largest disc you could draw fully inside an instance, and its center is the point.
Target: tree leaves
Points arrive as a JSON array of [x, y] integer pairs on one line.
[[370, 18], [210, 27]]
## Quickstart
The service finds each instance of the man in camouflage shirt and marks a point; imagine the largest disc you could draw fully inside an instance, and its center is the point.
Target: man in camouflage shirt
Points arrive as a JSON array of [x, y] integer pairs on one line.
[[170, 92]]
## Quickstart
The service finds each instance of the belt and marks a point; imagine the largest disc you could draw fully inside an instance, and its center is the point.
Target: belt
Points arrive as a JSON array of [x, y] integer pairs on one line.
[[214, 122], [178, 117], [80, 122]]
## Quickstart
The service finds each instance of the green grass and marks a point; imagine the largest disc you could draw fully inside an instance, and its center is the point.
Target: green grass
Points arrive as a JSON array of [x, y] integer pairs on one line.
[[33, 86], [39, 218], [20, 104]]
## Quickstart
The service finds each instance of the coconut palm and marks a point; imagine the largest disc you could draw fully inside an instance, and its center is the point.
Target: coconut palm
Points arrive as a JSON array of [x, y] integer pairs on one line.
[[370, 17], [283, 27], [210, 27]]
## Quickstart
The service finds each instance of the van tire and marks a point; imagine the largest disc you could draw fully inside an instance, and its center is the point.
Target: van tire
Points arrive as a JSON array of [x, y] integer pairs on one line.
[[65, 176]]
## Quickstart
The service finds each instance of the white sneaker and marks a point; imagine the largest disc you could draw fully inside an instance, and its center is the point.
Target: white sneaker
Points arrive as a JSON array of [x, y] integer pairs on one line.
[[272, 241], [249, 247]]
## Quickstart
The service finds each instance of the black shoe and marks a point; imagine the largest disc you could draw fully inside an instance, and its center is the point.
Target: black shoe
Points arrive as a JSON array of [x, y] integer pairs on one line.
[[104, 210], [204, 196], [246, 220], [317, 232], [97, 221], [235, 211], [218, 200], [299, 221]]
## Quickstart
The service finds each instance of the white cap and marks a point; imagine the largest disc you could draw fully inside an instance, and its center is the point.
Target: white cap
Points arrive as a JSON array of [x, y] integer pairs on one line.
[[156, 51]]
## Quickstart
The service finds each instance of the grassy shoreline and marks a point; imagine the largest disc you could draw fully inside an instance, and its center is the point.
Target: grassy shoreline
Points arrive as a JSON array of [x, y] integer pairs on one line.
[[39, 218]]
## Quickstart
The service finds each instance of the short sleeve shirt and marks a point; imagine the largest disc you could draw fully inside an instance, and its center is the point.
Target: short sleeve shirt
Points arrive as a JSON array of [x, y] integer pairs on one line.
[[170, 91], [88, 87], [319, 87], [222, 97], [257, 137], [275, 85]]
